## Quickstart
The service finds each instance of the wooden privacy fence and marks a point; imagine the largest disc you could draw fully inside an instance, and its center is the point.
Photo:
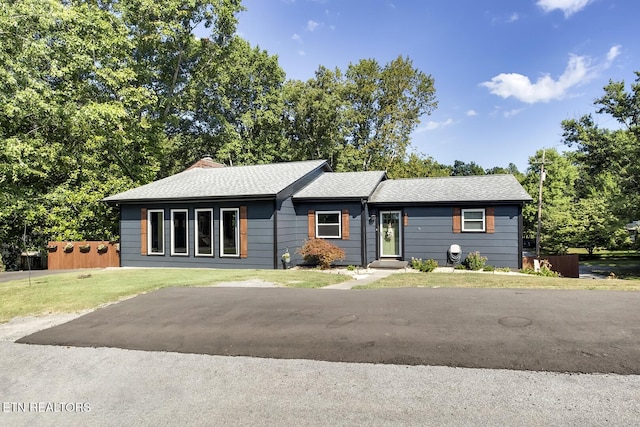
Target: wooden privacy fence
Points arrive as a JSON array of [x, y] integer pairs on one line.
[[87, 254], [566, 265]]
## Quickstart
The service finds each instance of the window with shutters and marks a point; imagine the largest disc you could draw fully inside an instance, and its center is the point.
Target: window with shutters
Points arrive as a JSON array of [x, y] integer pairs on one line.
[[473, 220], [328, 224], [229, 232]]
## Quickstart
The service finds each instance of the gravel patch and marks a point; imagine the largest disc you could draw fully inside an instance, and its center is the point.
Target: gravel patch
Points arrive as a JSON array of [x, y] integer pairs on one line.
[[19, 327], [251, 283]]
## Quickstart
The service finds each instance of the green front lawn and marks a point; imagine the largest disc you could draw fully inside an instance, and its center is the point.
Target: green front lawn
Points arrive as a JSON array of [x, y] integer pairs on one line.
[[625, 264], [74, 291], [480, 280]]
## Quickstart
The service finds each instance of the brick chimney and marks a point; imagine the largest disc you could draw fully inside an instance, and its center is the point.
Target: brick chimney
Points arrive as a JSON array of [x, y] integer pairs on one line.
[[205, 163]]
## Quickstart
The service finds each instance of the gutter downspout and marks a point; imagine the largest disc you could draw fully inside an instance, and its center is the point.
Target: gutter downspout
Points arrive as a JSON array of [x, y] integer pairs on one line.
[[520, 235], [275, 234], [364, 218]]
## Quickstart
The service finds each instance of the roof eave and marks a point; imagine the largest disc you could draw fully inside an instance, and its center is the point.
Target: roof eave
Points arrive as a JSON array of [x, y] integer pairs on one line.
[[331, 199], [449, 203], [256, 197]]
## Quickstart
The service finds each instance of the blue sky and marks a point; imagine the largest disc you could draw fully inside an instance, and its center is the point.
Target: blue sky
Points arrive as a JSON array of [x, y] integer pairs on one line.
[[507, 72]]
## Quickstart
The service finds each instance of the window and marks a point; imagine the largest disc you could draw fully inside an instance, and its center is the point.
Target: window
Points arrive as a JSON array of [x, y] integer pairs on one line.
[[204, 232], [229, 232], [179, 232], [473, 220], [328, 225], [155, 231]]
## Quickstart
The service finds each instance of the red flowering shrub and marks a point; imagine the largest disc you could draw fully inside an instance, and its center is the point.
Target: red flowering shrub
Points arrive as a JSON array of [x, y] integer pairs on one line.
[[321, 252]]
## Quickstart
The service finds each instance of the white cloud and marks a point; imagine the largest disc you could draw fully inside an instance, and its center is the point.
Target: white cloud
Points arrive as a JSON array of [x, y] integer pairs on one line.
[[431, 125], [511, 113], [296, 37], [471, 113], [513, 18], [613, 53], [312, 25], [579, 71], [569, 7], [302, 53]]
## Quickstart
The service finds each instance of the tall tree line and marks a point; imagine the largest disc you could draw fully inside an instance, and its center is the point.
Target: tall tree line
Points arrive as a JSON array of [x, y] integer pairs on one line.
[[99, 96], [591, 191]]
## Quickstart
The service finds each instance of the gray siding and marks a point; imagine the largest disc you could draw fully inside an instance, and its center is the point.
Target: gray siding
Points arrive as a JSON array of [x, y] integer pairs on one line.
[[352, 247], [372, 236], [259, 237], [288, 232], [429, 235]]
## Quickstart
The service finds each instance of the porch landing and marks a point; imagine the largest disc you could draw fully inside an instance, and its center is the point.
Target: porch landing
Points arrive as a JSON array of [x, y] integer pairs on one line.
[[389, 263]]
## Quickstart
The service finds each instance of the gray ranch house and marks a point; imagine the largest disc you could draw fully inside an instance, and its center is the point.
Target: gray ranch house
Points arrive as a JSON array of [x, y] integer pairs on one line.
[[248, 216]]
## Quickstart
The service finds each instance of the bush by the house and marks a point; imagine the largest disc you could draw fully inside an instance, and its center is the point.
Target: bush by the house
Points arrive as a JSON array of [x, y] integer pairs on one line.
[[475, 261], [320, 252], [545, 270], [425, 266]]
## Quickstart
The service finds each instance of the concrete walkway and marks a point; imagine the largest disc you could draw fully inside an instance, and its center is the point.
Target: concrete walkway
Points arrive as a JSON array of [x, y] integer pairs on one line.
[[365, 277]]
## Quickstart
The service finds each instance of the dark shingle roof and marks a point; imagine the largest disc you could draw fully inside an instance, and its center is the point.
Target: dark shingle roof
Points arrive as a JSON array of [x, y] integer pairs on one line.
[[485, 188], [342, 185], [235, 181]]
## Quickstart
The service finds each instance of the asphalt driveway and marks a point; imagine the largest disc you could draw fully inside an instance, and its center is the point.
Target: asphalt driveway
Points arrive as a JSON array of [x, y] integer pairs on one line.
[[542, 330]]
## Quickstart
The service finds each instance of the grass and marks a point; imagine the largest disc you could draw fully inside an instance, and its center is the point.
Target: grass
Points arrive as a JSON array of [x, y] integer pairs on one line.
[[624, 263], [71, 292], [81, 290], [473, 280]]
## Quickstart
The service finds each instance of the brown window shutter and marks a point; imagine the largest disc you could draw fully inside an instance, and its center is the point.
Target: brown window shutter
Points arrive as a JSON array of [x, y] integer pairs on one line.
[[345, 224], [490, 220], [406, 220], [457, 220], [312, 224], [143, 231], [243, 232]]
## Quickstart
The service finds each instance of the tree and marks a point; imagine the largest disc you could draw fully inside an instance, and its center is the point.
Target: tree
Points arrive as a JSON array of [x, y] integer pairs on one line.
[[384, 105], [558, 197], [72, 129], [314, 117], [613, 151], [511, 169], [461, 168], [417, 166], [233, 107], [90, 94]]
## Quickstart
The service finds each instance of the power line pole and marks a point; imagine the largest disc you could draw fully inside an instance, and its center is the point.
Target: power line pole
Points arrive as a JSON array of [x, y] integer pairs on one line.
[[542, 178]]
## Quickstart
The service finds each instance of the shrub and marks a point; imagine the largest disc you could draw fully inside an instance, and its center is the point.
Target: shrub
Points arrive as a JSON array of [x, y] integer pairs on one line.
[[475, 261], [425, 266], [545, 270], [320, 252], [489, 268]]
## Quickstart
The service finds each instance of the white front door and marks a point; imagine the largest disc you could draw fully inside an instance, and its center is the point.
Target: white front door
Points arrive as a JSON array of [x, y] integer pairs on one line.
[[390, 234]]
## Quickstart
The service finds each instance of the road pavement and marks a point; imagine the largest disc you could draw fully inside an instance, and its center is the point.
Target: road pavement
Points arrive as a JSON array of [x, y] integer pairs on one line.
[[537, 330], [79, 386]]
